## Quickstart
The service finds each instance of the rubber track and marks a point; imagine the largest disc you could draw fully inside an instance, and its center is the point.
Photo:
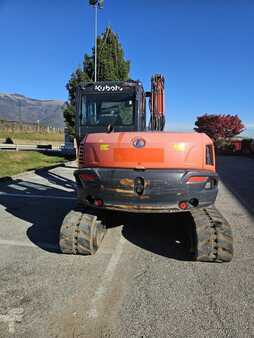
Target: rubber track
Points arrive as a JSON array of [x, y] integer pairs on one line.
[[214, 240], [81, 233]]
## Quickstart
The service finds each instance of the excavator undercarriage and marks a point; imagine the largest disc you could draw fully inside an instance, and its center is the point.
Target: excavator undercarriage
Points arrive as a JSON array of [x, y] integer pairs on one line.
[[212, 241]]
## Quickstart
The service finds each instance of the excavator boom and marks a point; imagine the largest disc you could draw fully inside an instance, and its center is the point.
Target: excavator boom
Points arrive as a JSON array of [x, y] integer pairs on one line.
[[157, 103]]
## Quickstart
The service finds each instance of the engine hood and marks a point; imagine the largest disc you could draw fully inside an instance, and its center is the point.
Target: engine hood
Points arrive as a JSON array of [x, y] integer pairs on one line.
[[145, 150]]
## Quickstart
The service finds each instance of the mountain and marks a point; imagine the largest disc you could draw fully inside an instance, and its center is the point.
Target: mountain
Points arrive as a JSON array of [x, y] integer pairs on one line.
[[16, 107]]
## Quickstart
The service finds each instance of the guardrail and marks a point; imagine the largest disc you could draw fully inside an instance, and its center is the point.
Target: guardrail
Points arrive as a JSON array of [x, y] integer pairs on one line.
[[17, 147], [61, 151]]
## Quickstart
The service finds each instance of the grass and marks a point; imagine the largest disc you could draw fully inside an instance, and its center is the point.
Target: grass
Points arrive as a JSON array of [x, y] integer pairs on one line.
[[15, 162], [19, 137]]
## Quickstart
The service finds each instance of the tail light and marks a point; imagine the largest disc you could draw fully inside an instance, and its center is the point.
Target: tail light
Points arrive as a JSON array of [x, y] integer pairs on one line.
[[183, 205], [98, 203], [197, 179], [87, 177], [210, 182]]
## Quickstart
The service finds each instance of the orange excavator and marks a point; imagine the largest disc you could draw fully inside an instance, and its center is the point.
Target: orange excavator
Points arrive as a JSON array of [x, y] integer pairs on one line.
[[127, 166]]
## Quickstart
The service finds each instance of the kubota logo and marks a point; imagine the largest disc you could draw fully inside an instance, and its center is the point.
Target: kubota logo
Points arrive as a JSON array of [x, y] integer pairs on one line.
[[139, 143], [106, 88]]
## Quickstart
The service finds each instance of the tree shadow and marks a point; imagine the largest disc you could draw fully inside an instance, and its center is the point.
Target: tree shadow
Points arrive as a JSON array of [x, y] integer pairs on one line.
[[43, 206]]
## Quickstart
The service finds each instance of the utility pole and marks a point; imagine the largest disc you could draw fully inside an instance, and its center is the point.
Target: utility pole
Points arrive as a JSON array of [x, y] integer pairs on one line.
[[96, 4]]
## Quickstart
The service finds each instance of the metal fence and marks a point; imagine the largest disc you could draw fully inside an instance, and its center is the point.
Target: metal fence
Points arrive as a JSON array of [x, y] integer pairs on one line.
[[11, 126]]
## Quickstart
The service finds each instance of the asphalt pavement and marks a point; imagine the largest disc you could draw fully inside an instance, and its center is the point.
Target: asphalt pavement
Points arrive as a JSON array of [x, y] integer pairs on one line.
[[141, 283]]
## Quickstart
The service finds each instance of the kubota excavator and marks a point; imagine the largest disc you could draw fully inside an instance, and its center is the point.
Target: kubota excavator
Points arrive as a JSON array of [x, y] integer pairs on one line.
[[126, 166]]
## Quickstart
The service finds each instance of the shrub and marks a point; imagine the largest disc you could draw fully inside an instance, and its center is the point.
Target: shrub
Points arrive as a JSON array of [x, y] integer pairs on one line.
[[224, 146], [8, 140], [228, 147], [252, 146], [246, 145]]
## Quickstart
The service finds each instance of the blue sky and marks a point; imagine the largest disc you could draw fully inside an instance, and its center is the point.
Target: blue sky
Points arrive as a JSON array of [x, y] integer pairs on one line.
[[204, 48]]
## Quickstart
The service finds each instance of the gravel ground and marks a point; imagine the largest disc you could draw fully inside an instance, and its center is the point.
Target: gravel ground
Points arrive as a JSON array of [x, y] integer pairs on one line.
[[141, 283]]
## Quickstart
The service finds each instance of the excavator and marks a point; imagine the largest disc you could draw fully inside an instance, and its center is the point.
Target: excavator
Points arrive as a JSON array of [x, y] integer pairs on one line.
[[128, 165]]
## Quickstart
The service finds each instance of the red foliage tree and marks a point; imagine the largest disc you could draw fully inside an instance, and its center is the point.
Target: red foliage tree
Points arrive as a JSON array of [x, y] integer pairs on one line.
[[219, 126]]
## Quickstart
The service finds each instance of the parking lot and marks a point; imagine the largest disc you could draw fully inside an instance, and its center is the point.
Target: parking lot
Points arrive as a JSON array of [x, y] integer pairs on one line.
[[142, 281]]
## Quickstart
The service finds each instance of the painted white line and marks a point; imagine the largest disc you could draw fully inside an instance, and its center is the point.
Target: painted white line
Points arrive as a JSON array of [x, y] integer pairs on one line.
[[37, 196], [27, 244], [107, 277]]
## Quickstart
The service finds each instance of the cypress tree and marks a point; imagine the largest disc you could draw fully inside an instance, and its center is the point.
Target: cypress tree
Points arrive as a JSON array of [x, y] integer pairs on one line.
[[111, 66]]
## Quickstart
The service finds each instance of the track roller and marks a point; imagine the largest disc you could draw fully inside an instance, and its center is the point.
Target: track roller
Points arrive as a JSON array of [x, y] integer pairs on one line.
[[81, 233], [214, 240]]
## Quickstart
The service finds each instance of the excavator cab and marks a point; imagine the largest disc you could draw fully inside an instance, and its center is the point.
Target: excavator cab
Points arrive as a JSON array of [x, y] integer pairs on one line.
[[110, 106]]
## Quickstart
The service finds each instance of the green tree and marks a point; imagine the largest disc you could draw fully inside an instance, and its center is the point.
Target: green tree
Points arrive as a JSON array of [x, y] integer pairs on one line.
[[111, 66]]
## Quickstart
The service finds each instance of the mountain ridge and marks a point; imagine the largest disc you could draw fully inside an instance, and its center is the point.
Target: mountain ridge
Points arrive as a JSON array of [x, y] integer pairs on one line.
[[18, 107]]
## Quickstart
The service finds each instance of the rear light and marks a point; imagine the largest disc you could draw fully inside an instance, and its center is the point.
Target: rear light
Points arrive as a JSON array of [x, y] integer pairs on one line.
[[183, 205], [197, 179], [98, 203], [87, 177]]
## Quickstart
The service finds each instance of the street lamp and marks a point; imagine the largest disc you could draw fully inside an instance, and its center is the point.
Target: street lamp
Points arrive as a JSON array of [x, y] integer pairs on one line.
[[96, 4]]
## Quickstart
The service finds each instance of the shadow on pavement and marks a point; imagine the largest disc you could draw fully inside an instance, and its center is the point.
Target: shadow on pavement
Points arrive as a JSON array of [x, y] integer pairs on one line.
[[55, 178], [45, 230], [168, 235], [237, 174], [41, 205]]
